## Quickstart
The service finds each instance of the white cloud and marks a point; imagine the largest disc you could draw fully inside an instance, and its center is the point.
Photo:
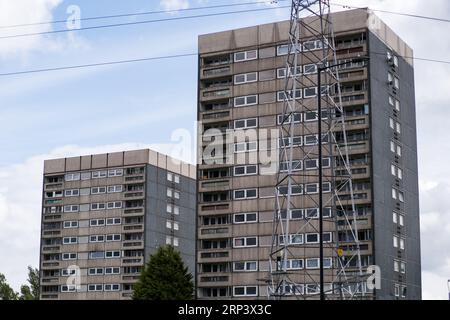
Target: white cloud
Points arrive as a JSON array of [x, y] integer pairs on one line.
[[32, 12], [174, 4], [20, 201]]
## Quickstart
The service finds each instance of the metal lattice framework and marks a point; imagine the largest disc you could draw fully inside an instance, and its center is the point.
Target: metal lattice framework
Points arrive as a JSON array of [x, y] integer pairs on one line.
[[296, 230]]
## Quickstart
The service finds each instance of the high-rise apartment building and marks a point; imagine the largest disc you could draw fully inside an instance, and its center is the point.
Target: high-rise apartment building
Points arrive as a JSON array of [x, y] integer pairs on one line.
[[241, 86], [104, 214]]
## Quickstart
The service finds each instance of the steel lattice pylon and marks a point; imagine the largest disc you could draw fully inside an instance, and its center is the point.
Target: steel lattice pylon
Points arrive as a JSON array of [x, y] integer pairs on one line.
[[295, 248]]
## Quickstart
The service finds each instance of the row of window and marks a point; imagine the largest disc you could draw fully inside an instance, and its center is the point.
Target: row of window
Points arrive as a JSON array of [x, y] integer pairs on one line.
[[93, 190], [294, 239], [92, 223], [93, 287], [93, 206], [94, 238], [93, 174], [92, 255], [98, 271]]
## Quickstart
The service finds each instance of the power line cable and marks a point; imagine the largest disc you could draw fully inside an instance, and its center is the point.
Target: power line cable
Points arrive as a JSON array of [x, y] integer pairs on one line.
[[142, 22], [411, 15], [161, 58], [133, 14]]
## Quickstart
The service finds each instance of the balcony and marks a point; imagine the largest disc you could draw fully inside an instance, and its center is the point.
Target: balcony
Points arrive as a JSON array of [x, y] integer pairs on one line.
[[215, 185], [53, 186], [216, 72], [134, 195], [130, 278], [216, 115], [133, 227], [50, 249], [133, 244], [215, 208], [51, 264], [129, 261], [216, 94]]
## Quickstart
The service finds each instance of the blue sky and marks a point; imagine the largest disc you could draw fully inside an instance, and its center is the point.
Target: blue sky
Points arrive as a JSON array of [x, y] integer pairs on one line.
[[105, 109]]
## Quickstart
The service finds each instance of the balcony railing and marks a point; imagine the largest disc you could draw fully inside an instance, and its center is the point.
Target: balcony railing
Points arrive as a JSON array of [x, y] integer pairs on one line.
[[216, 71]]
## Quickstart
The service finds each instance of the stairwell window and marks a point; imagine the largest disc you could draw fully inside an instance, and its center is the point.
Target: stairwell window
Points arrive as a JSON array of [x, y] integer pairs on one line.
[[246, 55]]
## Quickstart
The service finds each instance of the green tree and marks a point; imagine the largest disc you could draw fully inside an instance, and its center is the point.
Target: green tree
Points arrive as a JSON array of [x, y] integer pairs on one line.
[[164, 277], [31, 291], [6, 292]]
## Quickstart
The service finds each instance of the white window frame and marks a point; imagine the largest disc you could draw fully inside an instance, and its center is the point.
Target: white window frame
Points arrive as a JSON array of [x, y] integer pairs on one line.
[[96, 271], [245, 245], [72, 176], [308, 66], [297, 165], [114, 270], [115, 188], [114, 205], [309, 96], [72, 193], [109, 287], [68, 288], [96, 206], [72, 256], [246, 266], [99, 174], [70, 240], [114, 222], [115, 172], [281, 95], [98, 190], [246, 76], [71, 224], [246, 54], [97, 224], [245, 193], [245, 121], [245, 170], [289, 120], [114, 254], [245, 214], [282, 72], [71, 208], [245, 294], [114, 237], [248, 146], [96, 238], [246, 103], [98, 287]]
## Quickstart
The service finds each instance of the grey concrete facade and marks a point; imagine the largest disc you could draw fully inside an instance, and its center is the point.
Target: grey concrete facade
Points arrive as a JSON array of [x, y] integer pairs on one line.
[[376, 114], [102, 217]]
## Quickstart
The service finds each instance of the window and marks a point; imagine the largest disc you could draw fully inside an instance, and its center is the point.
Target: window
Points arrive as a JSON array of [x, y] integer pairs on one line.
[[395, 217], [97, 238], [69, 240], [246, 55], [294, 239], [396, 266], [175, 241], [176, 195], [288, 119], [115, 172], [113, 221], [402, 267], [114, 189], [246, 123], [282, 50], [287, 95], [68, 272], [176, 178], [245, 147], [402, 243], [112, 270], [245, 170], [245, 266], [312, 238], [112, 287], [397, 105], [398, 127], [72, 193], [246, 78], [72, 176], [392, 123], [68, 288], [97, 222], [396, 172], [245, 194], [169, 192], [392, 101], [70, 224], [169, 176], [395, 241], [113, 237], [296, 166], [295, 190], [286, 142], [246, 101], [95, 271], [97, 190], [112, 254], [245, 217], [311, 188], [245, 242], [312, 263], [114, 205], [310, 68], [396, 290], [281, 72], [99, 174], [390, 78], [395, 148], [396, 83], [310, 92], [98, 206], [69, 256], [96, 255], [312, 45], [401, 220], [95, 287], [245, 291], [172, 225], [71, 208]]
